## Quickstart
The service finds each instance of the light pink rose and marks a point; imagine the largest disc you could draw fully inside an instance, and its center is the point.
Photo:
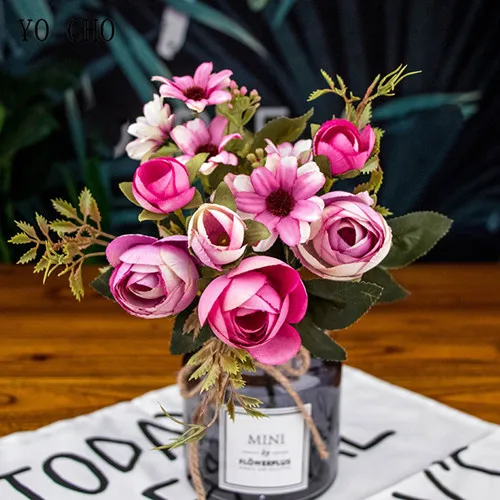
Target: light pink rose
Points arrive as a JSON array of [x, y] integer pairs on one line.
[[350, 239], [152, 278], [161, 185], [216, 234], [252, 307], [344, 145]]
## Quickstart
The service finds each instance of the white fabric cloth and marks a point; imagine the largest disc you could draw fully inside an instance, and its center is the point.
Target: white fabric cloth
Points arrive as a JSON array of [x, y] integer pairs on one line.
[[395, 445]]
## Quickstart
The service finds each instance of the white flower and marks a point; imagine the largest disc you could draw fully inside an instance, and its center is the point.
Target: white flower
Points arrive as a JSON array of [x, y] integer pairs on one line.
[[151, 130]]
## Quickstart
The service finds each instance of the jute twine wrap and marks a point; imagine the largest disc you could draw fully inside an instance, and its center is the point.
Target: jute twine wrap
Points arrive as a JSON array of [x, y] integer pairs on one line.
[[278, 374]]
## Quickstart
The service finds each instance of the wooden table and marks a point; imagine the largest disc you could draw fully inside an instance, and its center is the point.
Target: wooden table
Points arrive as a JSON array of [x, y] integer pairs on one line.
[[60, 358]]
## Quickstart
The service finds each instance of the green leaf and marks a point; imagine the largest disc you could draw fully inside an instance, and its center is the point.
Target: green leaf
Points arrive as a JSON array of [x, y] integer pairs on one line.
[[371, 165], [63, 226], [26, 228], [324, 165], [281, 130], [168, 150], [365, 117], [146, 215], [85, 202], [255, 232], [195, 202], [413, 235], [126, 189], [328, 79], [183, 343], [385, 212], [42, 224], [28, 256], [65, 208], [317, 93], [319, 343], [334, 305], [194, 164], [76, 283], [20, 239], [122, 53], [224, 197], [101, 284], [314, 129], [215, 19], [392, 291]]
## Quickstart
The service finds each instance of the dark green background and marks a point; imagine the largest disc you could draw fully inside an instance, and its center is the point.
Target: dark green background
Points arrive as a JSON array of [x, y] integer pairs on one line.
[[63, 104]]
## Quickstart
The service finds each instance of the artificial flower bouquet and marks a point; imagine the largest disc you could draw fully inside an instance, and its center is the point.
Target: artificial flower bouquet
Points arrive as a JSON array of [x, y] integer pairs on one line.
[[261, 249]]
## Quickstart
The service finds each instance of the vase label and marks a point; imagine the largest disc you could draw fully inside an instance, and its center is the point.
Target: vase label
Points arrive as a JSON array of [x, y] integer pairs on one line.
[[266, 455]]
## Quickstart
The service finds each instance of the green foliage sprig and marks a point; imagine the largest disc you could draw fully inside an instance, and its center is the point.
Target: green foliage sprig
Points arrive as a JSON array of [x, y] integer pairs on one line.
[[77, 231], [219, 368]]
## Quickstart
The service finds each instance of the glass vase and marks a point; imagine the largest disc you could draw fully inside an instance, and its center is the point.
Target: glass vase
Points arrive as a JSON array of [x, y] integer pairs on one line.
[[273, 458]]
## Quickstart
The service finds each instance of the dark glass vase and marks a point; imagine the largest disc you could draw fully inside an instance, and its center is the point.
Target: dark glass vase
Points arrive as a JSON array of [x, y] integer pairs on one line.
[[271, 459]]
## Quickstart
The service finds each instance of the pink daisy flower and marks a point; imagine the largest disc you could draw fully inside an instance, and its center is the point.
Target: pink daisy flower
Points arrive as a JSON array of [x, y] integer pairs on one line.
[[195, 137], [199, 91], [282, 197]]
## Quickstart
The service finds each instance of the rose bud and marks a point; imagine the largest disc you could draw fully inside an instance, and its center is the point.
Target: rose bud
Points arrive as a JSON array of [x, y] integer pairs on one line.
[[216, 234], [350, 239], [344, 145], [161, 185], [152, 278]]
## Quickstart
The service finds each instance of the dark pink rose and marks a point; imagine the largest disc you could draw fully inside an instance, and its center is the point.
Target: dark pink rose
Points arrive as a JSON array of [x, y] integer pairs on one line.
[[344, 145], [161, 185], [252, 307]]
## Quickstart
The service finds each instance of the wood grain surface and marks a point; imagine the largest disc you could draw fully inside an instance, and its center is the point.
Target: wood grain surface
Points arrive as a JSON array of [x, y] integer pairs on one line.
[[60, 358]]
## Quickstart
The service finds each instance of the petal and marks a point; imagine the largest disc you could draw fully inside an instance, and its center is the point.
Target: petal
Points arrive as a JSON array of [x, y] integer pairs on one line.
[[287, 172], [168, 206], [122, 243], [250, 202], [242, 288], [240, 183], [263, 181], [210, 296], [216, 129], [265, 245], [219, 79], [186, 139], [289, 231], [308, 185], [280, 348], [254, 263], [218, 97], [198, 106], [306, 210], [228, 138], [367, 139], [202, 73], [268, 219]]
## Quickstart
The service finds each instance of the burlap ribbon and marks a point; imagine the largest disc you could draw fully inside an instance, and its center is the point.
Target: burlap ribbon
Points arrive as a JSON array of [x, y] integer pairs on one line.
[[279, 374]]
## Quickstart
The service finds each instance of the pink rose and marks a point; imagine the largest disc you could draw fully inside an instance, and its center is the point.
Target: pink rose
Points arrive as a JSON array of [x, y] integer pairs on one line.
[[350, 239], [216, 234], [152, 278], [344, 145], [161, 185], [252, 307]]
